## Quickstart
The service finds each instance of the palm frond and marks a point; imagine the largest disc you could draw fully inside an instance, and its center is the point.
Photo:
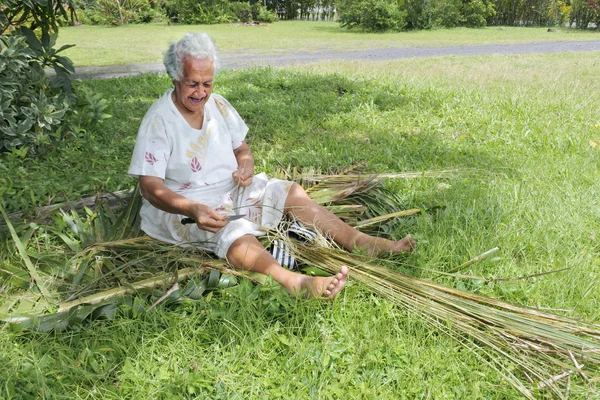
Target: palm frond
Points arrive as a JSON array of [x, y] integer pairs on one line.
[[381, 218]]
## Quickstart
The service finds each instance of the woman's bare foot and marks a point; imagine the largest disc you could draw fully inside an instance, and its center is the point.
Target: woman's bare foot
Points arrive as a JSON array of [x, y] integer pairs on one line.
[[405, 245], [326, 287], [380, 246]]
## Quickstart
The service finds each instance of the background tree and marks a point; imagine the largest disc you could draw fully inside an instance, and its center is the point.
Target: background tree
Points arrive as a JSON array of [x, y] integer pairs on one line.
[[584, 12], [528, 12]]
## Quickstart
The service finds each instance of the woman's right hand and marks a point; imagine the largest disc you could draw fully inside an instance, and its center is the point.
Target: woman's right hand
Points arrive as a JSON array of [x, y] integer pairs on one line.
[[154, 190], [208, 219]]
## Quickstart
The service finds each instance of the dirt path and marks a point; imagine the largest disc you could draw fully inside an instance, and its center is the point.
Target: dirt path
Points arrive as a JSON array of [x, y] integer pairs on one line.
[[233, 61]]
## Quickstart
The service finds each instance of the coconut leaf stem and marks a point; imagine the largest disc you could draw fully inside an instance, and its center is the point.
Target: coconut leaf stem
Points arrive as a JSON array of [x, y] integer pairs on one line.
[[164, 279]]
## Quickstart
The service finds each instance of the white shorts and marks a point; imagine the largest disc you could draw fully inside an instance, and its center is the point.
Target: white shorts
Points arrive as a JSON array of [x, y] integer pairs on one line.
[[262, 203]]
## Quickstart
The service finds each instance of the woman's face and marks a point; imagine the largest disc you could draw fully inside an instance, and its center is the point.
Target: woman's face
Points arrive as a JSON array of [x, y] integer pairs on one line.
[[195, 86]]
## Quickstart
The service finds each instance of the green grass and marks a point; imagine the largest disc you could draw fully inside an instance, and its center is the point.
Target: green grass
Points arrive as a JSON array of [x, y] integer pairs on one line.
[[142, 44], [523, 127]]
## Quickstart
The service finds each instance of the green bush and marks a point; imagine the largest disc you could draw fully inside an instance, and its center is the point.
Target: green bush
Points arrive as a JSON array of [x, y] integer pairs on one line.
[[436, 13], [428, 14], [111, 12], [584, 12], [475, 13], [371, 15], [30, 110], [45, 15], [35, 111], [266, 16], [199, 11], [242, 10], [33, 108]]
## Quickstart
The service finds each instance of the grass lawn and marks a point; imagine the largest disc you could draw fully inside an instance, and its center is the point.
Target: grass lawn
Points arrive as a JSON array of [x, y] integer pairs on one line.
[[103, 45], [525, 131]]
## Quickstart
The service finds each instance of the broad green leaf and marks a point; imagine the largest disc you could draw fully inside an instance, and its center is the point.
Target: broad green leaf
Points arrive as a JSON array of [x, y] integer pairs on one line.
[[64, 47], [65, 62], [74, 245], [46, 45], [33, 41]]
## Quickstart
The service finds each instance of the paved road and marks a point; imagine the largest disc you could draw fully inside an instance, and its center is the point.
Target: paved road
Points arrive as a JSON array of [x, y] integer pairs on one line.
[[233, 61]]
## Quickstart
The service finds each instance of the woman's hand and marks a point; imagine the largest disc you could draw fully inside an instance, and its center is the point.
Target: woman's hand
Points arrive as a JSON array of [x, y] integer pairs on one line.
[[154, 190], [208, 219], [243, 177]]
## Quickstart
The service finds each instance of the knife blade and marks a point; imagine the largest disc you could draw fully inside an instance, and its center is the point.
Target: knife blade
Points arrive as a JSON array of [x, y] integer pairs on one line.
[[230, 218]]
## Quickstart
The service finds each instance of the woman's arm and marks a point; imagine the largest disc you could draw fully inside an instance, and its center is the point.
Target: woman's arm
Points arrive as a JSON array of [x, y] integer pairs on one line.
[[243, 175], [154, 190]]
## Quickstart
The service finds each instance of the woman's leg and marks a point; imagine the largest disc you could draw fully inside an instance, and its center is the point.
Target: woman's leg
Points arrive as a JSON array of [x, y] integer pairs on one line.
[[300, 206], [248, 254]]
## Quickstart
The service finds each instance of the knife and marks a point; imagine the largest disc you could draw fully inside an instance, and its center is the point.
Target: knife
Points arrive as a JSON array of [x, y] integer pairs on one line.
[[230, 218]]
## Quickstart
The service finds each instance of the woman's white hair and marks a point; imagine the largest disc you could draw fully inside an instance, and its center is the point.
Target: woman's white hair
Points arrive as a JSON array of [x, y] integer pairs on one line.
[[196, 45]]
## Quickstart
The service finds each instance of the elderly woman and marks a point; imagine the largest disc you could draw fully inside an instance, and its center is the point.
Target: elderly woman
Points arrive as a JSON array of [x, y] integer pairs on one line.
[[192, 161]]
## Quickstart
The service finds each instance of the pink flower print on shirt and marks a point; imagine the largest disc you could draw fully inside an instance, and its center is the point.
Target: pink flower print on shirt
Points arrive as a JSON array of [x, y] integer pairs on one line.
[[150, 159], [254, 208], [195, 165], [185, 186], [254, 202]]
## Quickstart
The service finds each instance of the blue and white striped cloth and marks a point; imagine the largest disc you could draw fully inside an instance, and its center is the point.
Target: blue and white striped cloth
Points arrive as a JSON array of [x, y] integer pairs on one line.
[[280, 250]]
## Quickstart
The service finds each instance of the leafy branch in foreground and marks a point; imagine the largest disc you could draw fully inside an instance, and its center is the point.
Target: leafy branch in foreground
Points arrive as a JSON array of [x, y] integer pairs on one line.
[[45, 14]]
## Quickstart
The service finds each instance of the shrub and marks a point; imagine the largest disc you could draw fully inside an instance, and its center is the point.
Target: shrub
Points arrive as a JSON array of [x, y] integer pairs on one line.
[[242, 10], [430, 14], [475, 13], [266, 16], [30, 110], [46, 15], [371, 15], [34, 109], [111, 12], [200, 11], [440, 13]]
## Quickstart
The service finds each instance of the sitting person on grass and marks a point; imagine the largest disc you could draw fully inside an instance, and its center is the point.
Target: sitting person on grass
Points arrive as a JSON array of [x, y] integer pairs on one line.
[[192, 161]]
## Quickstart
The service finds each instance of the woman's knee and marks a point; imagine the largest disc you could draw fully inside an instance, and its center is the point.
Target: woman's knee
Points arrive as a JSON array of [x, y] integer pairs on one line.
[[243, 242], [296, 193]]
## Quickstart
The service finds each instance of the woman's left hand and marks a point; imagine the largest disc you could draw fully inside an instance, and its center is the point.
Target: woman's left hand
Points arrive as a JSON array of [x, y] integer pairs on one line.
[[243, 177]]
